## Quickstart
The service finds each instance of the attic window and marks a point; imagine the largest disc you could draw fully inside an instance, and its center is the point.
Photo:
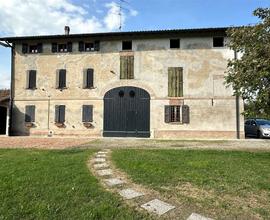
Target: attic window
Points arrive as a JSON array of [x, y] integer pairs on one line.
[[89, 47], [33, 49], [218, 41], [62, 48], [174, 43], [127, 45]]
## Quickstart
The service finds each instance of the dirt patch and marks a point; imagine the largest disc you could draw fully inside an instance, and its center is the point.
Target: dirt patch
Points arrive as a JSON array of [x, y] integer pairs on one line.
[[42, 143]]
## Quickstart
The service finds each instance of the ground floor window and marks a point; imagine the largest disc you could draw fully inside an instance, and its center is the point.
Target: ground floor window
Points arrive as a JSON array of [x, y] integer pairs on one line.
[[177, 114]]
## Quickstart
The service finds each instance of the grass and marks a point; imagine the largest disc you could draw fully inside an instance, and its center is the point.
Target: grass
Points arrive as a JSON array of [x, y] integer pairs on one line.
[[36, 184], [222, 184]]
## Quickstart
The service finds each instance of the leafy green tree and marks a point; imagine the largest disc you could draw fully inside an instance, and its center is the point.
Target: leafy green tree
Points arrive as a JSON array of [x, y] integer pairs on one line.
[[249, 75]]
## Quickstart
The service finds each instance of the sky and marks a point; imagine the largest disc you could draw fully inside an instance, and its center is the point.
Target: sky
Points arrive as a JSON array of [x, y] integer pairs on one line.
[[39, 17]]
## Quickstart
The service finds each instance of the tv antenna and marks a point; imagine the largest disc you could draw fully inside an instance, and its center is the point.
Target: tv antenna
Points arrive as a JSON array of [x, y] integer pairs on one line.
[[120, 12]]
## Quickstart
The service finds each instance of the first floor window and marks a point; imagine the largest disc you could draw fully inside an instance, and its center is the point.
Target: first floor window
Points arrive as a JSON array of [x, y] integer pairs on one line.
[[31, 79], [30, 113], [87, 113], [60, 113], [61, 79], [88, 78], [177, 114]]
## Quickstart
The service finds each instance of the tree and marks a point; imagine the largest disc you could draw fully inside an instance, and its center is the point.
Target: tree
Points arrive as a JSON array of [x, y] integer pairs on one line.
[[249, 75]]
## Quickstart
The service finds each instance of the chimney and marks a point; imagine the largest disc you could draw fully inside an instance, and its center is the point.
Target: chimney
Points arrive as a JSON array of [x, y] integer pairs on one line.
[[67, 29]]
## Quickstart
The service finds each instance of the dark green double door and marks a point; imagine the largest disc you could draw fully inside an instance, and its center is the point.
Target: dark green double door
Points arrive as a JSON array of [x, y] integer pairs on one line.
[[126, 112]]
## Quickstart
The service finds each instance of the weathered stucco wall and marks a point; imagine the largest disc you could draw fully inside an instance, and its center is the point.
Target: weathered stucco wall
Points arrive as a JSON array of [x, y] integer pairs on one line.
[[212, 107]]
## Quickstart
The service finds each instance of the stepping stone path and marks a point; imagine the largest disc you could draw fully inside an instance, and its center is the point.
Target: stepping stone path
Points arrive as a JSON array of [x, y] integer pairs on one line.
[[111, 179], [195, 216], [107, 172], [101, 166], [99, 160], [101, 156], [130, 194], [157, 206], [114, 182]]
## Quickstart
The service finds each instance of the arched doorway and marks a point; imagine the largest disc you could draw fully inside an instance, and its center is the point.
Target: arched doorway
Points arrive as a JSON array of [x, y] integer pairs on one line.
[[126, 112], [3, 120]]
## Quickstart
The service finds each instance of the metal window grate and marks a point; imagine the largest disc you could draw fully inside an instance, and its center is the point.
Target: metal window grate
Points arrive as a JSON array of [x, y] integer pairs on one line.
[[175, 113]]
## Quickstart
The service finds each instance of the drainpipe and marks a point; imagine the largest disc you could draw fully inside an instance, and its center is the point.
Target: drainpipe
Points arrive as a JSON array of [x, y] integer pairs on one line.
[[11, 95], [237, 109]]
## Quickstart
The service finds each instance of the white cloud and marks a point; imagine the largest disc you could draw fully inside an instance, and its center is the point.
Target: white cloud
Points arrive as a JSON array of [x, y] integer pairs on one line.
[[38, 17], [133, 12], [4, 81], [112, 19]]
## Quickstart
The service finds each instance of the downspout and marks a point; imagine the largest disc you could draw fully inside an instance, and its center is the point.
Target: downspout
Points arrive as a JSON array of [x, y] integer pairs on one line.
[[7, 44], [237, 109]]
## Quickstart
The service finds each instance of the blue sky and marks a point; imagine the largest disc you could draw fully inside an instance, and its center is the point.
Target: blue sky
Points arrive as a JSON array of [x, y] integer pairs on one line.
[[50, 16]]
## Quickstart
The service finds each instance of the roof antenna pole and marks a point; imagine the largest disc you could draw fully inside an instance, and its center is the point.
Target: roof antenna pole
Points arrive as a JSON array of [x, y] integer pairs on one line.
[[120, 15]]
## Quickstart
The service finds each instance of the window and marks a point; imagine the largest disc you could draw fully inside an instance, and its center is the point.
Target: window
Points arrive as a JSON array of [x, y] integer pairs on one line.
[[60, 113], [127, 67], [30, 113], [89, 46], [61, 79], [247, 122], [62, 48], [87, 113], [33, 49], [175, 43], [31, 79], [218, 42], [37, 48], [88, 78], [175, 81], [177, 114], [126, 45]]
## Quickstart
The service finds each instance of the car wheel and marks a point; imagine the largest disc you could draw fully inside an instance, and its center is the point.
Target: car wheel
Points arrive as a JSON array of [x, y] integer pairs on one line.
[[259, 134]]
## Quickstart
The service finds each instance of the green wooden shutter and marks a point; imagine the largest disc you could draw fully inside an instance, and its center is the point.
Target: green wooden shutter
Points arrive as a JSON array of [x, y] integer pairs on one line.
[[123, 67], [24, 48], [167, 114], [170, 82], [87, 115], [32, 78], [30, 113], [56, 118], [175, 81], [181, 82], [127, 67], [185, 114], [130, 67]]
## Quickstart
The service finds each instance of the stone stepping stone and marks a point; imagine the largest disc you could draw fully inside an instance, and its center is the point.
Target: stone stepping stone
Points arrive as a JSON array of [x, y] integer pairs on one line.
[[106, 172], [101, 165], [130, 194], [101, 156], [158, 207], [99, 160], [114, 182], [102, 152], [195, 216]]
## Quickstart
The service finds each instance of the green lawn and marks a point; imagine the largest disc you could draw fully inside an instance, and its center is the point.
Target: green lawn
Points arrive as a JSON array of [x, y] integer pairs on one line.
[[228, 184], [39, 184]]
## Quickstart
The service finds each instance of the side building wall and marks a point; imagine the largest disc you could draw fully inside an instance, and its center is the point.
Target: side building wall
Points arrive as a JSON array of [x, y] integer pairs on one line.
[[212, 106]]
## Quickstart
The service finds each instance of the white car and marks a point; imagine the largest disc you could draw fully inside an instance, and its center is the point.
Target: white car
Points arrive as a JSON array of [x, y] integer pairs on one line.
[[259, 128]]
